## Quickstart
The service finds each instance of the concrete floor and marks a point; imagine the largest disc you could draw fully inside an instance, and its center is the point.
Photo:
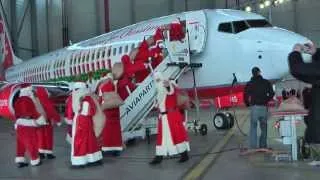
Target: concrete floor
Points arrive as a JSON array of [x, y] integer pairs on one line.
[[133, 163]]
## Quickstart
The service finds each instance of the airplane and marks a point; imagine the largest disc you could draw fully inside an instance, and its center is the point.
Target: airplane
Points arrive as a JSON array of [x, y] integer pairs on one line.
[[227, 43]]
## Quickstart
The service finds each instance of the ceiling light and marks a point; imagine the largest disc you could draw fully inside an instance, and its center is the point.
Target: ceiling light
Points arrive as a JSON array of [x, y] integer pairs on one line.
[[248, 9], [267, 3]]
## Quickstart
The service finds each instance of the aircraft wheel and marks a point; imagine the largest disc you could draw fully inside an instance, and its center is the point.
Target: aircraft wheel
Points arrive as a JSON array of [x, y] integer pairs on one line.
[[230, 120], [220, 121], [203, 129]]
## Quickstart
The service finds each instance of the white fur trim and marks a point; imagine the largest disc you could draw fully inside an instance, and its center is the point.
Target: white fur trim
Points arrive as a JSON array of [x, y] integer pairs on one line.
[[112, 148], [27, 91], [68, 138], [41, 121], [45, 151], [85, 108], [79, 160], [76, 98], [20, 159], [182, 147], [73, 134], [35, 162], [167, 146], [89, 158], [94, 157], [26, 122], [78, 85], [68, 121]]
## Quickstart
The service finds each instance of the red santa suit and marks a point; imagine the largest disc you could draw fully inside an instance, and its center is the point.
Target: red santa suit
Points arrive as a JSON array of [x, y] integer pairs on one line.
[[68, 116], [111, 134], [172, 137], [176, 31], [124, 84], [157, 55], [45, 133], [27, 121], [140, 60], [158, 36], [84, 148]]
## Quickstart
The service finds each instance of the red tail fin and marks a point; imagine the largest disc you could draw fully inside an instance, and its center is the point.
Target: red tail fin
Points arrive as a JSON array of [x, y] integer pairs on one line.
[[6, 51]]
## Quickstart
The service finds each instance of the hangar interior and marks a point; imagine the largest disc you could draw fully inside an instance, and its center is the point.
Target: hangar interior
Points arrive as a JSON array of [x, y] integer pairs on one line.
[[40, 26], [37, 27]]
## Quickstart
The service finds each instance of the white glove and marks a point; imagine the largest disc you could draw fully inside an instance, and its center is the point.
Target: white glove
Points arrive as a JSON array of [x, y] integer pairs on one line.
[[41, 121]]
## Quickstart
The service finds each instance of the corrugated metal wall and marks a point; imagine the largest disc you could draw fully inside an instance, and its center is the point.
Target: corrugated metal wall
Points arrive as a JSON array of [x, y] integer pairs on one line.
[[85, 18]]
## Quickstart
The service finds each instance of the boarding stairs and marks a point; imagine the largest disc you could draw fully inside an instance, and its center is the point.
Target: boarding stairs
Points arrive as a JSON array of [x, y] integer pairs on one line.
[[141, 101]]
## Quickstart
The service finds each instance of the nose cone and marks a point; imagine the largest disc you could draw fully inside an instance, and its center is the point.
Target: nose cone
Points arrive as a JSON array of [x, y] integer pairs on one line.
[[277, 43]]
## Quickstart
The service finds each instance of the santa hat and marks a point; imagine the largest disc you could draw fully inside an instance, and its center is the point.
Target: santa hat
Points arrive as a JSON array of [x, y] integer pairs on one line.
[[144, 45], [109, 76], [176, 21], [125, 59], [26, 91], [158, 36]]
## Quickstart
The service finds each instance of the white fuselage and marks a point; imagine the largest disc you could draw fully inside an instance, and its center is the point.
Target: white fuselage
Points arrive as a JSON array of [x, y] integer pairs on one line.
[[221, 53]]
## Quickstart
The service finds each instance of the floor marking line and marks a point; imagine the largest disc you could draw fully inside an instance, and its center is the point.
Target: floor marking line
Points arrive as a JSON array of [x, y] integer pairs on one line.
[[208, 160]]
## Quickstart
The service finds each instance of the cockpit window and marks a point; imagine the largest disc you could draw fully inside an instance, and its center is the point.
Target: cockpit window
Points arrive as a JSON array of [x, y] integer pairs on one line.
[[259, 23], [225, 27], [240, 26]]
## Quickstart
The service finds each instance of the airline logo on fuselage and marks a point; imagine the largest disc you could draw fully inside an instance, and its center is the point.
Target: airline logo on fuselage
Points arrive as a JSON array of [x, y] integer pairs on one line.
[[118, 35], [138, 98]]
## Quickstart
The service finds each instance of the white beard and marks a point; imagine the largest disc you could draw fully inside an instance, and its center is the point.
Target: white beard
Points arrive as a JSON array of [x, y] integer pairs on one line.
[[161, 92], [76, 99], [38, 105]]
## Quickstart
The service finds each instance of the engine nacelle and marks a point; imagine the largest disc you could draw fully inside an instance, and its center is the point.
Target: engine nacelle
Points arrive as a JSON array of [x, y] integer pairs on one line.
[[7, 93]]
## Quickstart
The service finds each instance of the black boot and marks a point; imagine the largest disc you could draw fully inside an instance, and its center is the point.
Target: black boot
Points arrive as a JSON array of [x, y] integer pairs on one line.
[[51, 156], [22, 164], [156, 160], [97, 163], [184, 157], [116, 153], [42, 155]]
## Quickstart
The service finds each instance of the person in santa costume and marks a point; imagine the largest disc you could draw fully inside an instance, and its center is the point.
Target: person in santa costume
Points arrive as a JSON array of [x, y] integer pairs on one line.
[[176, 31], [111, 133], [68, 113], [84, 145], [172, 137], [28, 119], [157, 56], [124, 83], [141, 60], [45, 133]]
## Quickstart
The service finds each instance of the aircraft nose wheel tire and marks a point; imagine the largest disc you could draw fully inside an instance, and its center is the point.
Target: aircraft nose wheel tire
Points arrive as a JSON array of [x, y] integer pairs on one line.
[[203, 129], [223, 121]]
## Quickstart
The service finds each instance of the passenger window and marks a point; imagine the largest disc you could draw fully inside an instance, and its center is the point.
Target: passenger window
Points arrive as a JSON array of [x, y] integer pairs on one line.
[[132, 46], [83, 58], [120, 50], [239, 26], [109, 52], [103, 53], [92, 56], [126, 49], [225, 27], [114, 51], [88, 56]]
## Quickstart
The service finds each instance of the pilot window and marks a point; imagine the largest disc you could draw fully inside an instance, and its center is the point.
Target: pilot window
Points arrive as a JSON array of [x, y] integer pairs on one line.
[[258, 23], [225, 27], [239, 26]]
